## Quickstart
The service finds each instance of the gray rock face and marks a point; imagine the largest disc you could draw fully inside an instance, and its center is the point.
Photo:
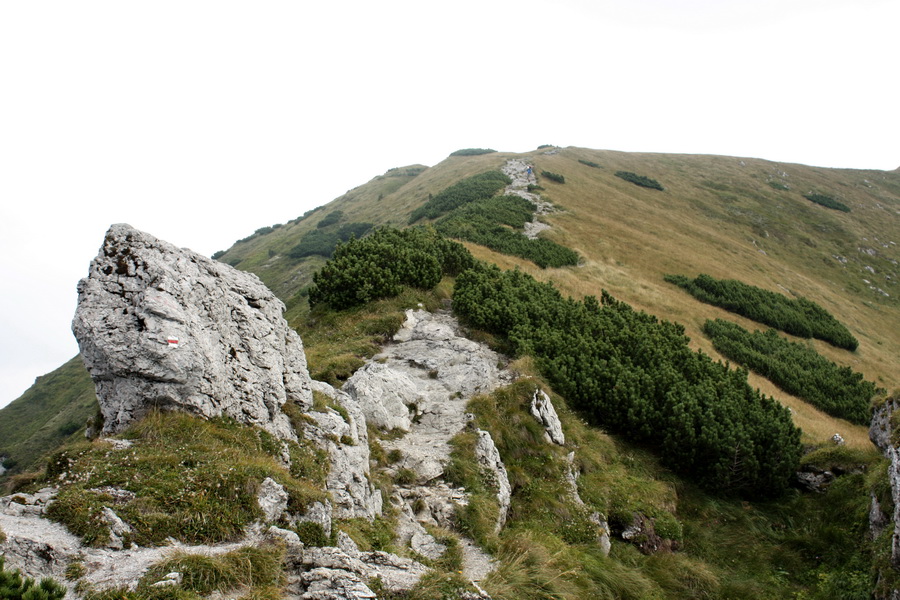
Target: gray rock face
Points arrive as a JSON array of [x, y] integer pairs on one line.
[[164, 327], [543, 411], [348, 479], [272, 500], [489, 458], [880, 433]]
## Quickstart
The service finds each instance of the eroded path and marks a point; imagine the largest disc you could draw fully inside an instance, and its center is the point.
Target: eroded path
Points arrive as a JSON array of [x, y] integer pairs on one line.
[[517, 170], [421, 384]]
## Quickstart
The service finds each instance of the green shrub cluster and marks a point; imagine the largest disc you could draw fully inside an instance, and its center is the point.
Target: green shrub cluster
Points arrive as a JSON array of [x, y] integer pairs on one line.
[[379, 265], [472, 152], [468, 190], [638, 377], [800, 317], [826, 201], [590, 163], [323, 243], [797, 369], [497, 224], [553, 176], [330, 219], [14, 587], [640, 180]]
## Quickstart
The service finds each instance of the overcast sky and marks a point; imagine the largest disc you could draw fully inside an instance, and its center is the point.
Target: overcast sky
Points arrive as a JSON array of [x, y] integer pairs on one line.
[[200, 122]]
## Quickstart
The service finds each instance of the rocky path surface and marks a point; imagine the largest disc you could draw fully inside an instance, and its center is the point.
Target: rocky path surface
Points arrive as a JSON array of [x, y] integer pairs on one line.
[[421, 384], [517, 170], [42, 548]]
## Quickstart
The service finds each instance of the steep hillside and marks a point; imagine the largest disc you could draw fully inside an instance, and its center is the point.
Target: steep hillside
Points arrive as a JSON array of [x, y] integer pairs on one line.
[[745, 219], [739, 218], [679, 505]]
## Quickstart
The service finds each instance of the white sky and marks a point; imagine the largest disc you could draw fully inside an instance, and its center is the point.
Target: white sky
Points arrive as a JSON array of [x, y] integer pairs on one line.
[[200, 122]]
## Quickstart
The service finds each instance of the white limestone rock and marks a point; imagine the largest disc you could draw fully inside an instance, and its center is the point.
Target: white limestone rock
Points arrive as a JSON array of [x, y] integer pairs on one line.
[[167, 328], [272, 499], [543, 411], [348, 479], [489, 458]]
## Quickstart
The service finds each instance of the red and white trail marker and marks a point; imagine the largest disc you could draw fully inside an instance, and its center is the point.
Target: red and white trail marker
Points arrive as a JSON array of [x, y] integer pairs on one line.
[[173, 341]]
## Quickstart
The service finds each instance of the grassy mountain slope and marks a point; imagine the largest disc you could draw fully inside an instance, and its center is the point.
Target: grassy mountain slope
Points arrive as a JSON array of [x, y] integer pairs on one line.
[[728, 217], [48, 413], [745, 219]]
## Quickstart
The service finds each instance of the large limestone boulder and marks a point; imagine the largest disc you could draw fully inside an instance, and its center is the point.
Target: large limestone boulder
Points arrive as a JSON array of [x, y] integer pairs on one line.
[[164, 327]]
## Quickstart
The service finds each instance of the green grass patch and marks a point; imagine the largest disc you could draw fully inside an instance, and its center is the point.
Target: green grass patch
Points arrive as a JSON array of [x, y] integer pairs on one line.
[[192, 480]]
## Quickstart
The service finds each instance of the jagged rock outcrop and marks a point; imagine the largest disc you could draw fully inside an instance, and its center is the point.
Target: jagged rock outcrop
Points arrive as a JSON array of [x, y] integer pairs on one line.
[[164, 327], [543, 411], [347, 443], [881, 433], [489, 458]]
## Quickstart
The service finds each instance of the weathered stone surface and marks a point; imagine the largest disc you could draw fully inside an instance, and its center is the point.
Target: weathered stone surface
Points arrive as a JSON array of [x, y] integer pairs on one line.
[[517, 170], [118, 528], [272, 500], [489, 458], [543, 411], [348, 479], [881, 432], [444, 369], [164, 327]]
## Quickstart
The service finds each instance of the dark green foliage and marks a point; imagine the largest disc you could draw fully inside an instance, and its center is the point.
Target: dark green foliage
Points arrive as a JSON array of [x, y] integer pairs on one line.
[[379, 265], [543, 146], [589, 163], [778, 185], [468, 190], [350, 230], [800, 317], [330, 219], [797, 369], [472, 152], [14, 587], [489, 222], [323, 243], [553, 176], [638, 377], [315, 242], [640, 180], [218, 254], [827, 201]]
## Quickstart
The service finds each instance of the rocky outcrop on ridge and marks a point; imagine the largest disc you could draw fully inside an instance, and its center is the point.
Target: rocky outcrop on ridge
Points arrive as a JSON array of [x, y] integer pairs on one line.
[[164, 327], [882, 435], [517, 170]]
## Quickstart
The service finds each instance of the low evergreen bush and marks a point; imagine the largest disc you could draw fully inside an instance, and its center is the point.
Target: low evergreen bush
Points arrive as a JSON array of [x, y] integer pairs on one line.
[[826, 201], [468, 190], [800, 317], [14, 587], [378, 266], [638, 377], [553, 176], [472, 152], [797, 369], [640, 180]]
